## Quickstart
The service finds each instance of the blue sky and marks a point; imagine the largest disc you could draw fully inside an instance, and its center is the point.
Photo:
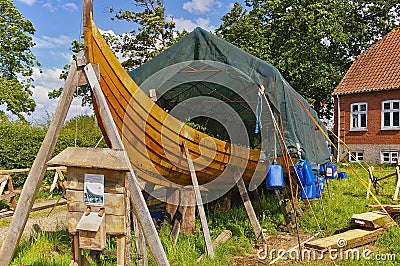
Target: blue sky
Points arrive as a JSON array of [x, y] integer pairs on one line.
[[58, 22]]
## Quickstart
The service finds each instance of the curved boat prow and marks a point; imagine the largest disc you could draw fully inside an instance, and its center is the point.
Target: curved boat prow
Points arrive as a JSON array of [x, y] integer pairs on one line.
[[152, 137]]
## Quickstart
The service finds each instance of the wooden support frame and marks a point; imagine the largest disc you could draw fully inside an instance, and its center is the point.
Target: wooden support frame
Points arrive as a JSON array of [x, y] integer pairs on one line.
[[372, 180], [39, 166], [38, 169], [199, 203]]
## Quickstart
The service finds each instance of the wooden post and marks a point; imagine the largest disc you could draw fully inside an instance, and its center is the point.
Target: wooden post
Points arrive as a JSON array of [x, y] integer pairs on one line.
[[38, 169], [172, 203], [128, 248], [138, 203], [396, 192], [189, 220], [250, 211], [179, 216], [371, 177], [76, 251], [282, 206], [199, 202], [140, 242]]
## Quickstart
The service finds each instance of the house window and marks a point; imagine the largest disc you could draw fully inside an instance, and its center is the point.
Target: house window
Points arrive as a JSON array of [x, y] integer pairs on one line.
[[356, 156], [389, 156], [359, 116], [391, 114]]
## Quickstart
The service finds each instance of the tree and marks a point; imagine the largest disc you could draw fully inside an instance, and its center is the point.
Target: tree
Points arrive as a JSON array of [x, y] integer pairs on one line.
[[312, 43], [154, 33], [16, 60]]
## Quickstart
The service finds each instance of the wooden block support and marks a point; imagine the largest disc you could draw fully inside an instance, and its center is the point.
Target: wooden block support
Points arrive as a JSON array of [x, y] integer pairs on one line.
[[189, 219], [179, 216]]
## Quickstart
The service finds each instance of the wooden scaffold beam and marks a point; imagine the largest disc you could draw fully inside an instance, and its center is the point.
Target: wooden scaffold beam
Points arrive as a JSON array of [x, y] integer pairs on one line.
[[38, 169]]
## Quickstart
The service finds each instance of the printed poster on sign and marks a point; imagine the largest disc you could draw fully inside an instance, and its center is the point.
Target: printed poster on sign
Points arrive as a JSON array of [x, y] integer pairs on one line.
[[93, 190]]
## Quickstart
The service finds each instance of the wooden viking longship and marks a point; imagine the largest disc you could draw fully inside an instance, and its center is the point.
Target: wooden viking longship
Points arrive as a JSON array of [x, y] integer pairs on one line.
[[152, 137]]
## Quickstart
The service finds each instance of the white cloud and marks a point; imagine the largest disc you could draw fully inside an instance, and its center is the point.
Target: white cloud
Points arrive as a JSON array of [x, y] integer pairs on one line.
[[69, 6], [49, 6], [200, 5], [189, 25], [51, 42], [28, 2], [44, 82]]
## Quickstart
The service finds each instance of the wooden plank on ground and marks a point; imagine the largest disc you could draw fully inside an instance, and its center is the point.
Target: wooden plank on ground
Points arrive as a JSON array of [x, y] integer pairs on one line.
[[221, 238], [374, 219], [389, 208], [349, 239]]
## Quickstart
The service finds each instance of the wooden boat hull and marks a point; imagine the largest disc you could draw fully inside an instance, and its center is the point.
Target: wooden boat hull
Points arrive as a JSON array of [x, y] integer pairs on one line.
[[153, 138]]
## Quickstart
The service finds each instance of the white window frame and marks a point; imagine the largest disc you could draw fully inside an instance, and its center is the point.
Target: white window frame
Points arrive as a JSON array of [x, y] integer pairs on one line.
[[359, 114], [357, 156], [392, 156], [391, 112]]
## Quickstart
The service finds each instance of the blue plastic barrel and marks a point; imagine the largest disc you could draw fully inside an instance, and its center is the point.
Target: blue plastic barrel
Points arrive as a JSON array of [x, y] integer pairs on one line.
[[275, 177], [304, 173], [317, 191], [331, 171], [308, 174], [342, 175], [308, 192]]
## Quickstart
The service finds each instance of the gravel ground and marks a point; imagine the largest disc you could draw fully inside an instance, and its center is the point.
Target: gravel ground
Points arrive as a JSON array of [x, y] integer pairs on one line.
[[40, 220]]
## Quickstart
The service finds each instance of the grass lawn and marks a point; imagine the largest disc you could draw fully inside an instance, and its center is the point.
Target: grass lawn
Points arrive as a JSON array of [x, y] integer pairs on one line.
[[342, 199]]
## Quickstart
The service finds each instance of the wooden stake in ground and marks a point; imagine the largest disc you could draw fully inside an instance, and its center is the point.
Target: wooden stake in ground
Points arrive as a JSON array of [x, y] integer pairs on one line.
[[199, 202], [249, 209], [38, 169]]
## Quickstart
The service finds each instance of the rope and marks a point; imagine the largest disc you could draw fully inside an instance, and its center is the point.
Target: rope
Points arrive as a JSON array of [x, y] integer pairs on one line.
[[362, 181], [278, 131]]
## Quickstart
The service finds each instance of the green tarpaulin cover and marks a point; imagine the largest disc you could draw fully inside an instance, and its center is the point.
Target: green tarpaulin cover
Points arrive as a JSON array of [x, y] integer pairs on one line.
[[203, 75]]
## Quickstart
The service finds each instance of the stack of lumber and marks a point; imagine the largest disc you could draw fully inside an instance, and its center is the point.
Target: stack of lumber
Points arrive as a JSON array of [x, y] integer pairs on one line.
[[373, 224]]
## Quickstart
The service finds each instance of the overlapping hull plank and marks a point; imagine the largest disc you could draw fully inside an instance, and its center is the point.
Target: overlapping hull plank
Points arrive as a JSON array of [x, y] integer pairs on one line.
[[152, 137]]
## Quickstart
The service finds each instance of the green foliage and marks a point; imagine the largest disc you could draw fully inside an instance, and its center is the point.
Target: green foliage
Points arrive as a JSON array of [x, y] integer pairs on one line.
[[155, 32], [81, 91], [47, 248], [311, 42], [20, 142], [16, 60]]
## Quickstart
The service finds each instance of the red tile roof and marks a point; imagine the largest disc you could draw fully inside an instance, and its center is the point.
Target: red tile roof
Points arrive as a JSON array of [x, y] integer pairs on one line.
[[376, 69]]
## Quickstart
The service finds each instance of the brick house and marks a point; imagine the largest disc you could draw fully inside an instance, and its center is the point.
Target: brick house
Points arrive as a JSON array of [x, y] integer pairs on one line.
[[367, 104]]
